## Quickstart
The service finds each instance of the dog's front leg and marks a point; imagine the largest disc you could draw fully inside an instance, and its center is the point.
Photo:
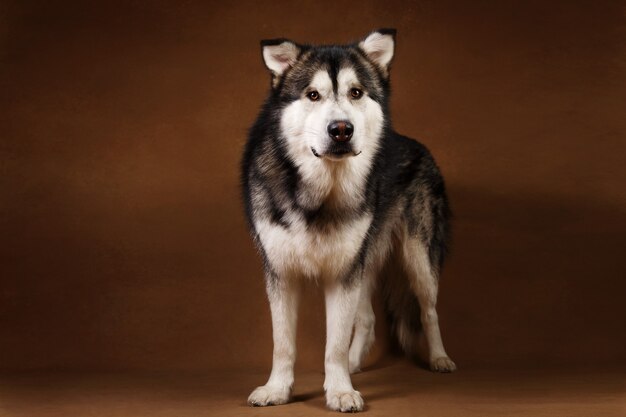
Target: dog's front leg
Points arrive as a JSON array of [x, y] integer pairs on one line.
[[341, 305], [283, 296]]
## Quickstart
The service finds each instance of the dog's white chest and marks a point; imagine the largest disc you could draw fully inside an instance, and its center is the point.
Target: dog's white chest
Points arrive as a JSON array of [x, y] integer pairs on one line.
[[313, 252]]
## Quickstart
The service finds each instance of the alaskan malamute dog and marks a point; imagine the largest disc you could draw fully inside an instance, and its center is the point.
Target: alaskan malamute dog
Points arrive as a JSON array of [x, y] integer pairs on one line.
[[330, 192]]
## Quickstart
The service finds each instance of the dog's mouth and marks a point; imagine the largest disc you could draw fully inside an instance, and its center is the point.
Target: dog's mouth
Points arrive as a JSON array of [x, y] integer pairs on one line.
[[336, 152]]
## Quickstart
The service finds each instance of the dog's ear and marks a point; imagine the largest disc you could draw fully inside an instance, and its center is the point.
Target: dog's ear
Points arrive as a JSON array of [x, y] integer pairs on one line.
[[379, 46], [279, 55]]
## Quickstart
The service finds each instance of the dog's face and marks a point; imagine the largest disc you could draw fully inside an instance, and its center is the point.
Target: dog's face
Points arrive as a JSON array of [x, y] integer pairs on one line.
[[332, 98]]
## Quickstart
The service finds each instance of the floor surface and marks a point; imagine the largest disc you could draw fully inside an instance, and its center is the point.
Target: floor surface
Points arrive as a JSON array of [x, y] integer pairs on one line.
[[395, 389]]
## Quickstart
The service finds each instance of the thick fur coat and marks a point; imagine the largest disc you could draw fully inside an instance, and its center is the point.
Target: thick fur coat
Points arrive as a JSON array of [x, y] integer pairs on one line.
[[330, 191]]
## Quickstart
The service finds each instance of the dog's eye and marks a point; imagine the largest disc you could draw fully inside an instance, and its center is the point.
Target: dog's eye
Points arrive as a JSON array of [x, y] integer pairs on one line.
[[355, 93], [313, 95]]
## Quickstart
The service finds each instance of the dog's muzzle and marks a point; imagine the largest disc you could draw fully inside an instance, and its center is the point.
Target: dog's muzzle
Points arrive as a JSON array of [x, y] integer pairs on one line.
[[336, 151]]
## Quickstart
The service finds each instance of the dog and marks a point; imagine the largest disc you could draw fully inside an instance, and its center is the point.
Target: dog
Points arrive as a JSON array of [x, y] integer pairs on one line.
[[331, 191]]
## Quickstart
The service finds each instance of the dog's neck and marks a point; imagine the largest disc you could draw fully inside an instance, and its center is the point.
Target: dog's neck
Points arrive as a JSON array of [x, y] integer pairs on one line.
[[334, 184]]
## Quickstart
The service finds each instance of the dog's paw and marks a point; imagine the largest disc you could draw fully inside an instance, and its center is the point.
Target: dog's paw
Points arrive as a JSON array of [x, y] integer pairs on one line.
[[442, 364], [344, 401], [267, 395]]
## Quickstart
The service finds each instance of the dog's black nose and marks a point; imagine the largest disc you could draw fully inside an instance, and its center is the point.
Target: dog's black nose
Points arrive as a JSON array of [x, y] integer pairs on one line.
[[340, 130]]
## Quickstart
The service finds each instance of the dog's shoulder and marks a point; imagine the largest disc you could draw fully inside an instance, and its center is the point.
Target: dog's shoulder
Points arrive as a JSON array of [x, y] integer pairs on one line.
[[403, 158]]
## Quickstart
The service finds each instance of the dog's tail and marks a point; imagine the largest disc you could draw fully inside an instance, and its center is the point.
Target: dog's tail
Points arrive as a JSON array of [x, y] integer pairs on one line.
[[403, 311]]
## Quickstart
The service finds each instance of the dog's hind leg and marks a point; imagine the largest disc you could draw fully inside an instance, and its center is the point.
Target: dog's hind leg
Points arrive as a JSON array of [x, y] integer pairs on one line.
[[363, 328], [341, 305], [283, 297], [424, 282]]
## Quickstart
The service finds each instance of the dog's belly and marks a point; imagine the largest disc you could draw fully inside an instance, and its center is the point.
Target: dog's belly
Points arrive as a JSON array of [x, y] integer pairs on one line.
[[311, 252]]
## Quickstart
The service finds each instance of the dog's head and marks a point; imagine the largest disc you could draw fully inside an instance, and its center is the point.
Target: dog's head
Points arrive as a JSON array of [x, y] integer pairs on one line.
[[331, 100]]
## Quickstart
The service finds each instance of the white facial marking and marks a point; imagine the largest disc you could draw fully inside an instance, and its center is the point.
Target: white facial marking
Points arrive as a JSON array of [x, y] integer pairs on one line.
[[304, 125], [304, 121], [364, 113]]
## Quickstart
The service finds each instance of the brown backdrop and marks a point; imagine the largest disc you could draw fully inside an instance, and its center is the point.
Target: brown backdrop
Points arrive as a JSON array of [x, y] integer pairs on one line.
[[123, 244]]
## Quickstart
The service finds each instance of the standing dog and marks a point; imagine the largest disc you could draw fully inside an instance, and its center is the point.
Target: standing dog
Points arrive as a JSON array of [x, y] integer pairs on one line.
[[330, 191]]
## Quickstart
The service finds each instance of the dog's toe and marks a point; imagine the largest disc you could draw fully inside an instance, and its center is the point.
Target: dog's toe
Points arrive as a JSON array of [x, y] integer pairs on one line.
[[345, 401], [265, 396], [443, 364]]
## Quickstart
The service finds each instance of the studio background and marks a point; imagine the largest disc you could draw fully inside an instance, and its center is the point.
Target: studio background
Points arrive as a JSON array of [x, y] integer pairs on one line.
[[123, 242]]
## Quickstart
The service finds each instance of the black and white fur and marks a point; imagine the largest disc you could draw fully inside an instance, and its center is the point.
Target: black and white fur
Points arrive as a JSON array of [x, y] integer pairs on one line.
[[331, 206]]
